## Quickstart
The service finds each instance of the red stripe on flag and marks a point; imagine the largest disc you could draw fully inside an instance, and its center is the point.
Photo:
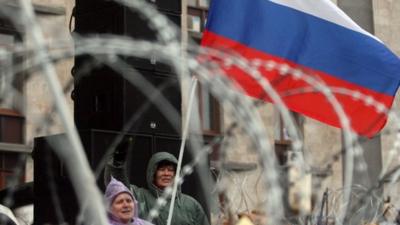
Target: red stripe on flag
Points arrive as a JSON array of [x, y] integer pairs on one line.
[[364, 119]]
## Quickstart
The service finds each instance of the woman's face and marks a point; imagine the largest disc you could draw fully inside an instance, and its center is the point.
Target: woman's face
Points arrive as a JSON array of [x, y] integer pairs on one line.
[[123, 207], [164, 176]]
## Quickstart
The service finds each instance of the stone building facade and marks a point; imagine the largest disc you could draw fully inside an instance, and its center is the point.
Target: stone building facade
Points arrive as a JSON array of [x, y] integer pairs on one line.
[[321, 143], [39, 100]]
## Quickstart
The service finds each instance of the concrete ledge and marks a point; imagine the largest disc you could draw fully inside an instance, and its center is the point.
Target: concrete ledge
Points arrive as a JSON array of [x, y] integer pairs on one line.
[[236, 166], [40, 9], [49, 10], [17, 148]]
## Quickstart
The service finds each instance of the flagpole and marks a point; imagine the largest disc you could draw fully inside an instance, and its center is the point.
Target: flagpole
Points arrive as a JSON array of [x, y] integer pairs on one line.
[[182, 149]]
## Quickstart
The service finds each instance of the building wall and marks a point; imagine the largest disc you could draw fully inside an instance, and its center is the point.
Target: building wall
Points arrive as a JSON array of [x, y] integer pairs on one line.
[[245, 189], [41, 119], [387, 28]]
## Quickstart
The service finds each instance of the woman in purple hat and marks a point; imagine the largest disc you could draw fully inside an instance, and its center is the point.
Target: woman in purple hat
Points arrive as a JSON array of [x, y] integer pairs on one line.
[[121, 205]]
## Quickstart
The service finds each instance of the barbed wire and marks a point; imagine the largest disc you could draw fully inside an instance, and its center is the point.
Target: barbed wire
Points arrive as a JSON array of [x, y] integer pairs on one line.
[[109, 50]]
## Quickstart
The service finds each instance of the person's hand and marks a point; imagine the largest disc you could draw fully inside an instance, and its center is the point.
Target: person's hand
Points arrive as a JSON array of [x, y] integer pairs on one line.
[[121, 151]]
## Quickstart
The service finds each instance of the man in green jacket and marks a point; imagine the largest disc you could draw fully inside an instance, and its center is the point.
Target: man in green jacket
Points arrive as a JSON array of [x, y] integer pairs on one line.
[[160, 174]]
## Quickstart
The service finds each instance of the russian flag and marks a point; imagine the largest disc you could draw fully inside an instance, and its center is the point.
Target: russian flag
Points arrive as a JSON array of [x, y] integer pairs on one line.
[[320, 39]]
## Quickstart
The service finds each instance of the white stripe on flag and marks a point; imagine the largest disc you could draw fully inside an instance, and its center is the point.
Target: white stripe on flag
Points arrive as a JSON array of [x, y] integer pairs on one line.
[[326, 10]]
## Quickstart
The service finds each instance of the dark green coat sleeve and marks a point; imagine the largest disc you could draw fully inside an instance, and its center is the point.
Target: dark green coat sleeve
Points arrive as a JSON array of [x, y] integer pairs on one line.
[[193, 210], [201, 217]]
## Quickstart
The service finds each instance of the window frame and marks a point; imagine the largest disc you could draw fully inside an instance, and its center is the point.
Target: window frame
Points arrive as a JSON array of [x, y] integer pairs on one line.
[[12, 121], [201, 12], [11, 115], [215, 113], [199, 4]]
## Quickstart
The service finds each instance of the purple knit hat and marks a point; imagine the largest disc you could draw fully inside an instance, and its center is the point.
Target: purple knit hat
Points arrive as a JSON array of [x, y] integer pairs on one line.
[[113, 189]]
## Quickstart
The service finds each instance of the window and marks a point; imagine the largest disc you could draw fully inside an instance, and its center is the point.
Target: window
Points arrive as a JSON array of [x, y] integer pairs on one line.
[[194, 23], [7, 60], [199, 3], [12, 166], [281, 130], [11, 119], [210, 112], [197, 17], [283, 141], [9, 163]]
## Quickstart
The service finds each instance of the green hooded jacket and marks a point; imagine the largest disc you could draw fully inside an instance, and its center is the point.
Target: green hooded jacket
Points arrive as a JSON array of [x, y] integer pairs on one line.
[[187, 211]]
